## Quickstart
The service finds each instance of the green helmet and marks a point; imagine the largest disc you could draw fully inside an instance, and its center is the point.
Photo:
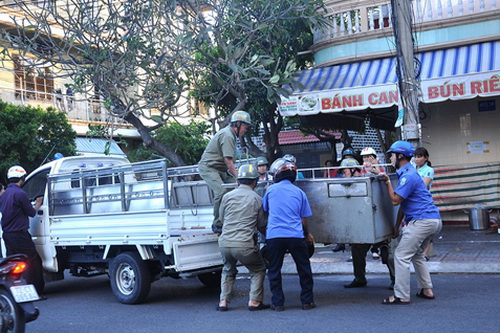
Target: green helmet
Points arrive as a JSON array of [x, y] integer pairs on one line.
[[242, 116], [247, 171], [261, 160], [349, 162]]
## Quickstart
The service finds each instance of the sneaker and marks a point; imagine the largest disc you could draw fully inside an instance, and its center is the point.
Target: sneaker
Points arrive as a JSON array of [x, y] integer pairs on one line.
[[350, 259], [375, 255]]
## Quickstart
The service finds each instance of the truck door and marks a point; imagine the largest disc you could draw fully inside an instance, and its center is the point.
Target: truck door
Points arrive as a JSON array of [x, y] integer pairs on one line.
[[36, 186]]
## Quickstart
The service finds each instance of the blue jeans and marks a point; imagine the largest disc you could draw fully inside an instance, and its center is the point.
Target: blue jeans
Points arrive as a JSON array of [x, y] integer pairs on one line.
[[297, 247]]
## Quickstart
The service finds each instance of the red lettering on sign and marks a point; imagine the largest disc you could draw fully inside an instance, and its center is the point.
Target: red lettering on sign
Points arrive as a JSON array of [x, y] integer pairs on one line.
[[326, 104], [358, 100], [433, 92], [336, 103], [494, 84], [475, 87]]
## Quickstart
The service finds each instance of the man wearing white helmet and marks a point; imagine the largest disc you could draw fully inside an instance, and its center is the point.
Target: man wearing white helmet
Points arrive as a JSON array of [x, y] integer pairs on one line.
[[216, 165], [16, 210]]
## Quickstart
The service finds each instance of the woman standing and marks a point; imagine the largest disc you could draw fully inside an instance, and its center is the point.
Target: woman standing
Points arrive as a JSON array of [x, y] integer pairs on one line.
[[424, 169], [423, 166]]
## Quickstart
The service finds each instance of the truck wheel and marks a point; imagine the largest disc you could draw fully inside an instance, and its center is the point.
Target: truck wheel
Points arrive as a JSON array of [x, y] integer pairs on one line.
[[11, 316], [211, 279], [130, 278]]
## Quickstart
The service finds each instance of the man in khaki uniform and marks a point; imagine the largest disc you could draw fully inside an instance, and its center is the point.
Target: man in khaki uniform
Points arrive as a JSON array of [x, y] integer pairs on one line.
[[216, 166], [241, 213]]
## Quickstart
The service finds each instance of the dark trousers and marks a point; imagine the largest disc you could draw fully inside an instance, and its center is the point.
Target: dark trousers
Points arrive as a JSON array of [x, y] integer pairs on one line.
[[359, 252], [21, 242], [297, 247]]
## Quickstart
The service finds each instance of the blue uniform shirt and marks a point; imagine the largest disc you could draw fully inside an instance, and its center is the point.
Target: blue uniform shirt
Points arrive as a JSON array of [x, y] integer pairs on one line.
[[417, 203], [287, 205], [16, 209]]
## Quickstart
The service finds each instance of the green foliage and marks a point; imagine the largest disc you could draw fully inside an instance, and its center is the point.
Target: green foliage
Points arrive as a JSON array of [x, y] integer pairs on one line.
[[188, 141], [250, 56], [31, 134]]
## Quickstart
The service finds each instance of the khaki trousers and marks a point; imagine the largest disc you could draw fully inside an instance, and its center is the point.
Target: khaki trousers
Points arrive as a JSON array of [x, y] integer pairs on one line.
[[214, 180], [252, 260], [416, 236]]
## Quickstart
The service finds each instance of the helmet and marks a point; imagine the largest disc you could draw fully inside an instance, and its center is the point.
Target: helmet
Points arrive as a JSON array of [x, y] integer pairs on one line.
[[16, 171], [348, 151], [350, 162], [282, 168], [247, 171], [261, 160], [290, 158], [58, 156], [368, 151], [402, 147], [242, 116]]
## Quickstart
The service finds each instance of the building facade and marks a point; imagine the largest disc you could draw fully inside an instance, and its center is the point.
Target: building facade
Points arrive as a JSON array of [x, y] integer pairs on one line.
[[457, 65]]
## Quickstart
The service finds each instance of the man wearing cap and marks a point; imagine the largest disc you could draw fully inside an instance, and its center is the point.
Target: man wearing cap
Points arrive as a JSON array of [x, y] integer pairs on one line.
[[16, 210], [240, 214], [422, 223], [216, 166]]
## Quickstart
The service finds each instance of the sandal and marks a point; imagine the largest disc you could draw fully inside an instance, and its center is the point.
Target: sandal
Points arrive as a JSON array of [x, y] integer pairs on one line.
[[422, 295], [396, 301]]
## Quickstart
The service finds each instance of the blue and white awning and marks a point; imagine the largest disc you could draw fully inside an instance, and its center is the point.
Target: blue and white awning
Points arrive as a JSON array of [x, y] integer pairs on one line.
[[457, 73]]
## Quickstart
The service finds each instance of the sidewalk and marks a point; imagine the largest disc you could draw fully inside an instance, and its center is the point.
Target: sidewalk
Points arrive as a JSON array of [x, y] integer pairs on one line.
[[457, 249]]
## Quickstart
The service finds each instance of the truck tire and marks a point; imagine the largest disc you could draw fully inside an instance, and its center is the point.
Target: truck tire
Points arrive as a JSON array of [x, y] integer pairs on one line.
[[130, 278], [11, 315], [211, 279]]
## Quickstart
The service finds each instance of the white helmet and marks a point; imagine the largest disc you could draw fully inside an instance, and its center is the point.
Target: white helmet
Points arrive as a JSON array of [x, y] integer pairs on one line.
[[368, 151], [16, 171]]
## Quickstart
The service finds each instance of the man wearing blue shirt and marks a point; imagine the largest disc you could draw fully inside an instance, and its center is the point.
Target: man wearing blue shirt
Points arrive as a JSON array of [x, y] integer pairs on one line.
[[288, 209], [422, 222]]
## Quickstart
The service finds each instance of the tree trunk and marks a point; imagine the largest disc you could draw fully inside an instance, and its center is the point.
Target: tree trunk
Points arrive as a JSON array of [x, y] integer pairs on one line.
[[150, 142], [271, 131]]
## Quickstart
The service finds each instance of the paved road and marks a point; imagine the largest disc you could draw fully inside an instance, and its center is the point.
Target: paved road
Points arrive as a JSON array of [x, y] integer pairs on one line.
[[464, 303]]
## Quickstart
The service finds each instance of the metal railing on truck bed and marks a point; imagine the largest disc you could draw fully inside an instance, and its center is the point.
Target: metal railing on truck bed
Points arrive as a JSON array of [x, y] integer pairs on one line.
[[142, 186]]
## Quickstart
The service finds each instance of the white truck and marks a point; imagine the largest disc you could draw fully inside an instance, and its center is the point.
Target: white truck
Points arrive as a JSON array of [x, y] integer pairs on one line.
[[139, 222], [104, 215]]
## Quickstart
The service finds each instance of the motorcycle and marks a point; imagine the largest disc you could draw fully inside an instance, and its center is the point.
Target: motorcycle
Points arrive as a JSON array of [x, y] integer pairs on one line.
[[16, 295]]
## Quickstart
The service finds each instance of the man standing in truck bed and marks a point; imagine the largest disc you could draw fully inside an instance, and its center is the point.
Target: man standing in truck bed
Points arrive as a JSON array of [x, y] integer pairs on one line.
[[216, 166], [16, 209]]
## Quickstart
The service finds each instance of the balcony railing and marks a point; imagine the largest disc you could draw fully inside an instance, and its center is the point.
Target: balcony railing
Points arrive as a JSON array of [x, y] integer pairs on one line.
[[363, 19], [76, 107]]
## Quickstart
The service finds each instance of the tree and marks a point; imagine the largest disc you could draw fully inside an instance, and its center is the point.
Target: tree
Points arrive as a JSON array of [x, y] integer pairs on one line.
[[142, 55], [30, 135], [247, 51], [188, 141], [126, 51]]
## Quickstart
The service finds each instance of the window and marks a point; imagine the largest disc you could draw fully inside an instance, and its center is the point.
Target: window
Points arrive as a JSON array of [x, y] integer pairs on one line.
[[35, 186]]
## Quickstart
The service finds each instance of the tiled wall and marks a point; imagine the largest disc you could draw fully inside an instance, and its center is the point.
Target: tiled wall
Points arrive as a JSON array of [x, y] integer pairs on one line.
[[450, 127]]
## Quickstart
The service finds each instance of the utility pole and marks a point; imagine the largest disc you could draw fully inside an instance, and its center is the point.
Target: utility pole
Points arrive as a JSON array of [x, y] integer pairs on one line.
[[408, 84]]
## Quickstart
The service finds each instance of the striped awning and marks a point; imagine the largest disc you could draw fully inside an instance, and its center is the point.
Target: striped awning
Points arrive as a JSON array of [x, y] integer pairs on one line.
[[456, 73]]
